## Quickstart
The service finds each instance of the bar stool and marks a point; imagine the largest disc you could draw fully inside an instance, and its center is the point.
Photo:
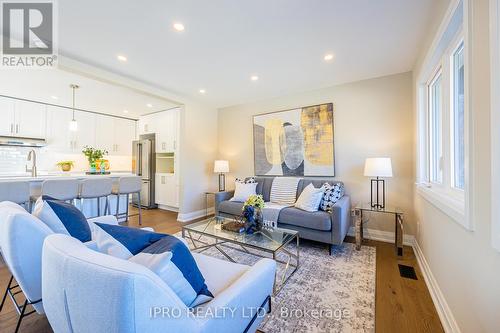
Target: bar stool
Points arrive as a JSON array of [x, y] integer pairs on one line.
[[96, 189], [61, 189], [127, 186], [16, 191]]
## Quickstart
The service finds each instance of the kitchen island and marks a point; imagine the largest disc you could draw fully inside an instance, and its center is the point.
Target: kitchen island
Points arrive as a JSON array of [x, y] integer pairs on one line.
[[89, 206]]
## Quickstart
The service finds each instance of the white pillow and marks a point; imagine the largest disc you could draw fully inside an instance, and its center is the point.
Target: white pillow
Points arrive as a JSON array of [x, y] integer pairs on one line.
[[107, 244], [243, 191], [310, 198], [161, 264]]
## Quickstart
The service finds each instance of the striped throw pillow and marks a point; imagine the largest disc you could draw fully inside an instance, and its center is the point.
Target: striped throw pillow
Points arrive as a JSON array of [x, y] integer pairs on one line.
[[284, 190]]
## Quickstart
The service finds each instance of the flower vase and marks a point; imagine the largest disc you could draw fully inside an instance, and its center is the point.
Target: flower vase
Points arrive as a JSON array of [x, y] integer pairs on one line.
[[259, 219], [92, 167]]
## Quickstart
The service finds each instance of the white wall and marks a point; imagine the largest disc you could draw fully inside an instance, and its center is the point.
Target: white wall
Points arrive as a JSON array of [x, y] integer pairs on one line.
[[198, 150], [464, 264], [372, 118]]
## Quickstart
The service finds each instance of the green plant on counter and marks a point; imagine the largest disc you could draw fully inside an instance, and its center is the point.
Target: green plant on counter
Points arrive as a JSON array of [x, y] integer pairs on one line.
[[66, 165], [93, 154]]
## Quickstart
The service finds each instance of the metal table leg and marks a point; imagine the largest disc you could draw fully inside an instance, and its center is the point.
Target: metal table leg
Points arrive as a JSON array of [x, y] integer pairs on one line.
[[399, 234]]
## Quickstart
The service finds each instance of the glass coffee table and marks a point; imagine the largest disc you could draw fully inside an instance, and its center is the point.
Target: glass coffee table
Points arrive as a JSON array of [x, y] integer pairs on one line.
[[268, 240]]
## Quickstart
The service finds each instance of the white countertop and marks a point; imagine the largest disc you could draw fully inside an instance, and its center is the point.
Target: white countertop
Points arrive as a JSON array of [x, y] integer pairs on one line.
[[54, 175]]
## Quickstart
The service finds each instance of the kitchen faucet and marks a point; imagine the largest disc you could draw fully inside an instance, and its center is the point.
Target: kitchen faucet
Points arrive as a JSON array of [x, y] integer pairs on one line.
[[32, 157]]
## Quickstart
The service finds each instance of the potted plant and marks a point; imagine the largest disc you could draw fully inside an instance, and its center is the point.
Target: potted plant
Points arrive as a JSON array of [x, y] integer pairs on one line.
[[93, 155], [65, 165], [252, 213]]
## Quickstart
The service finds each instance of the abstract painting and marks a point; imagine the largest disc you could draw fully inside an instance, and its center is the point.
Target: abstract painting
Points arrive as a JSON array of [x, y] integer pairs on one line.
[[296, 142]]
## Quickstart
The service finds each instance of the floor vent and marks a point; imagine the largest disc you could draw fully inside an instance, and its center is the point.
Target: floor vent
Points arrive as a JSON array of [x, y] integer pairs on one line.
[[407, 272]]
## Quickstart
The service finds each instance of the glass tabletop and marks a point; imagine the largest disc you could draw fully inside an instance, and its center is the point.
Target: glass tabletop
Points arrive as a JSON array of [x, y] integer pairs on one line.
[[270, 239], [387, 209]]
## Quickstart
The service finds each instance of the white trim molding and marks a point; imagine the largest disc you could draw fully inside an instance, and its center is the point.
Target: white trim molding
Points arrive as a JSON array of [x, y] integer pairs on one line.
[[186, 217], [382, 236], [444, 312], [455, 203], [495, 121]]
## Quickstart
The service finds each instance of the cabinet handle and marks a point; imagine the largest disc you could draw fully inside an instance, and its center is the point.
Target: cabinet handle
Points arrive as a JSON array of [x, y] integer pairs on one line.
[[175, 144], [12, 128], [145, 127], [17, 128]]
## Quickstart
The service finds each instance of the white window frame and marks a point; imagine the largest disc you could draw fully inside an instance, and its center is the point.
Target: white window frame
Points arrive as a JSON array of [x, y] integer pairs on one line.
[[438, 73], [458, 45], [495, 121], [454, 202]]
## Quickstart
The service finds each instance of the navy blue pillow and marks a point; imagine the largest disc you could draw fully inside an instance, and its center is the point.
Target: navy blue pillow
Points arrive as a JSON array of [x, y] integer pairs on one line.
[[183, 259], [135, 240], [138, 240], [72, 218]]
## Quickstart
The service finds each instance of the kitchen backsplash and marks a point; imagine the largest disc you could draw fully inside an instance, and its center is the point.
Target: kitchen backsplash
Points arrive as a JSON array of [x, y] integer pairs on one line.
[[13, 160]]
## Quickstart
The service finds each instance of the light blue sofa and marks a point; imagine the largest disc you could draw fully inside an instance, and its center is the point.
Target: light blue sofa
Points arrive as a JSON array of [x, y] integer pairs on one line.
[[326, 227]]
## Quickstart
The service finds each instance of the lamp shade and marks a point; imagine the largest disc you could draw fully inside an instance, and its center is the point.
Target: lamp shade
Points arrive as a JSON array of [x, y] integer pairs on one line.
[[221, 166], [378, 167]]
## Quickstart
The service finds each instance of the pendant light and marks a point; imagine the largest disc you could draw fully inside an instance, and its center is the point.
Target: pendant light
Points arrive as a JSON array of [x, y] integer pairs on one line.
[[73, 125]]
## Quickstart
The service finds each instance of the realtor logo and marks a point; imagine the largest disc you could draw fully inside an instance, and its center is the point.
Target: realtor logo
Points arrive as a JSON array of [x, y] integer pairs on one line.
[[28, 30]]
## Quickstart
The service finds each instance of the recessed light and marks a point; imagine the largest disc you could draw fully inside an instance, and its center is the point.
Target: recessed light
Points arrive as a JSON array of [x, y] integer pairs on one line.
[[178, 26], [254, 77], [125, 111], [328, 57], [149, 105], [122, 58], [202, 91], [54, 97]]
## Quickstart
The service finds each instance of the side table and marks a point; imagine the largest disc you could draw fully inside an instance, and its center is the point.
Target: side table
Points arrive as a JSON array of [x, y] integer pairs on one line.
[[206, 200], [398, 224]]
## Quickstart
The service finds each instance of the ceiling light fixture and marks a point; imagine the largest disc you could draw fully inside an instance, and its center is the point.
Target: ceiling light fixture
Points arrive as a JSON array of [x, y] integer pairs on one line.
[[122, 58], [178, 26], [149, 105], [125, 111], [254, 78], [73, 125], [202, 91], [328, 57], [54, 97]]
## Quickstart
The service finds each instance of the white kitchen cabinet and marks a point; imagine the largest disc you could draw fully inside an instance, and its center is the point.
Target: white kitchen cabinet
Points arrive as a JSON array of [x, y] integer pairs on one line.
[[58, 134], [166, 136], [115, 135], [148, 124], [30, 120], [104, 133], [22, 118], [85, 135], [167, 190], [7, 110], [124, 134]]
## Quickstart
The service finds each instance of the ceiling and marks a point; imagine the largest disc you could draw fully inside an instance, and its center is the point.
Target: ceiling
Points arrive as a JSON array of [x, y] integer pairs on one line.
[[52, 86], [225, 42]]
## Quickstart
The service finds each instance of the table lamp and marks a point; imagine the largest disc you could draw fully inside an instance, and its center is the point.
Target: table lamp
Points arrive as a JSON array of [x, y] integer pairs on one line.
[[221, 167], [378, 167]]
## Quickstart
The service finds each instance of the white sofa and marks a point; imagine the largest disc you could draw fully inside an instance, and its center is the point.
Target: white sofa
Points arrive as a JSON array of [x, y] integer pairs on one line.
[[87, 291]]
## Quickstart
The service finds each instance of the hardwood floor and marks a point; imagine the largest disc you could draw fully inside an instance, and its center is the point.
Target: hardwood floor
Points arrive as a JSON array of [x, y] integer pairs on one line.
[[402, 305]]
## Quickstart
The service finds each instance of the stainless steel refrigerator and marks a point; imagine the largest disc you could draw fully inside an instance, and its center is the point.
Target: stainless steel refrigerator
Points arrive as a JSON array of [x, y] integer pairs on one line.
[[143, 166]]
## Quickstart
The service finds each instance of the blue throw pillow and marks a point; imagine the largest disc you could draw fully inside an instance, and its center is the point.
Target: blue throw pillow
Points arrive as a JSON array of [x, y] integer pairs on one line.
[[142, 243], [63, 217]]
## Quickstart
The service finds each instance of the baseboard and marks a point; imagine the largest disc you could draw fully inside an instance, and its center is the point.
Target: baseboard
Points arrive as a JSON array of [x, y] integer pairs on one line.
[[382, 236], [186, 217], [445, 315], [169, 208]]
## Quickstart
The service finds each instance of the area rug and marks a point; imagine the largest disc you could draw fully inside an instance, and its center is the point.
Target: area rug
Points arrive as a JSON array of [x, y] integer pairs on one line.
[[327, 293]]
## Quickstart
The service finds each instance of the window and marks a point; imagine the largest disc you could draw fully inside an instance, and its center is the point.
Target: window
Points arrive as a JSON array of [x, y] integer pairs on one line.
[[458, 131], [435, 129], [443, 172]]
